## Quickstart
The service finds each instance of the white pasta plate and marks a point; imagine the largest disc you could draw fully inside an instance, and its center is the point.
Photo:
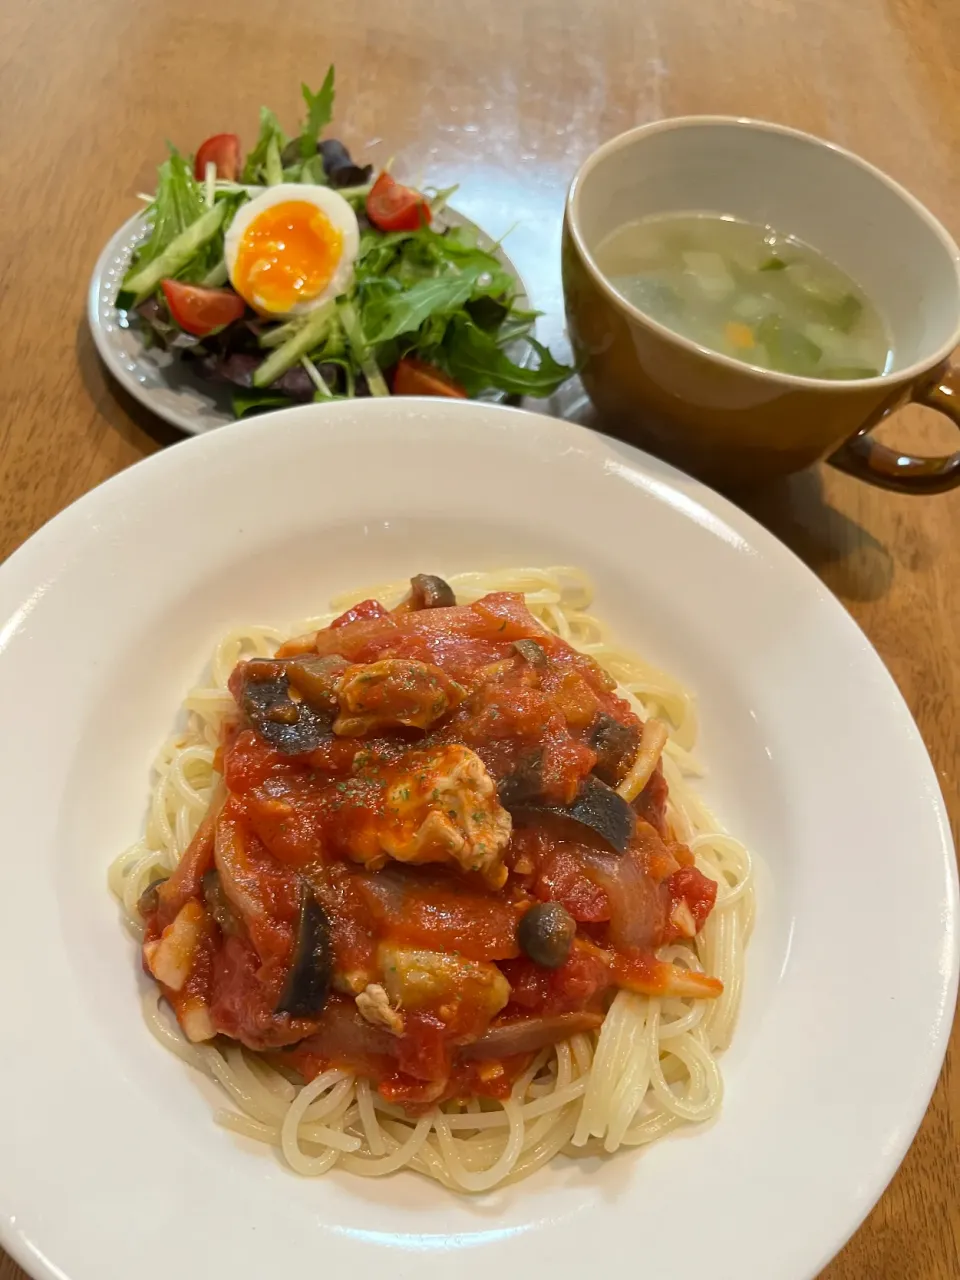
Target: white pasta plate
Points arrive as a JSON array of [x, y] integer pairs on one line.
[[110, 1162]]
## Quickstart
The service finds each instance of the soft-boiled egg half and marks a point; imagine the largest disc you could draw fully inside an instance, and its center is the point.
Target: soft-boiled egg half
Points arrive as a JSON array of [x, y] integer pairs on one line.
[[291, 248]]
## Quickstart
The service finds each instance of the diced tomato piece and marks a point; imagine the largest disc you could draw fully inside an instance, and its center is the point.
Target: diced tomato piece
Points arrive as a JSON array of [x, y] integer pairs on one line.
[[414, 377], [487, 1078], [562, 879], [243, 1007], [430, 635], [248, 761], [262, 892], [505, 616], [698, 891], [353, 930], [201, 311], [415, 1096], [223, 149], [439, 914], [394, 207], [287, 821], [680, 853], [366, 609], [424, 1050], [567, 989]]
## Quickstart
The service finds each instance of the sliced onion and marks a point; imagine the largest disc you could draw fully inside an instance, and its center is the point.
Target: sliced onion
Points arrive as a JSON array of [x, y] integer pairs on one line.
[[344, 1035], [637, 909], [527, 1035], [652, 741]]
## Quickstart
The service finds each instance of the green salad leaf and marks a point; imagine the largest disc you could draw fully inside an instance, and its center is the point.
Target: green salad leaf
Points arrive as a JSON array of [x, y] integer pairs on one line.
[[312, 171], [252, 401], [319, 115], [179, 201], [477, 360], [432, 293], [255, 167], [406, 309]]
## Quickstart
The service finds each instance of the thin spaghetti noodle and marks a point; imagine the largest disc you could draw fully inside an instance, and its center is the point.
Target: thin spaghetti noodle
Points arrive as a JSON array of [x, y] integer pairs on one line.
[[650, 1068]]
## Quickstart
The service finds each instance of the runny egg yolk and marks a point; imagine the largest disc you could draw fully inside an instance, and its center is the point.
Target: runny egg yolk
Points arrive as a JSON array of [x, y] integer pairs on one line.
[[288, 254]]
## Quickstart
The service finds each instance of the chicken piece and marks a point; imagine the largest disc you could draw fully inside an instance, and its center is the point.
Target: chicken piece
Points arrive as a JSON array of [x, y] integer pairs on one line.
[[173, 959], [375, 1007], [439, 805], [681, 917], [195, 1021], [442, 982], [381, 695], [170, 957]]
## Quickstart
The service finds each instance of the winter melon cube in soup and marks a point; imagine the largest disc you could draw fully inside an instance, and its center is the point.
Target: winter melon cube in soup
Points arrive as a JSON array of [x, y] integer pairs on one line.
[[748, 292]]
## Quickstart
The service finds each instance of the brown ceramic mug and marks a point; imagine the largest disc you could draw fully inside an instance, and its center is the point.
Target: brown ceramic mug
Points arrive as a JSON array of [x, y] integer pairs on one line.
[[712, 414]]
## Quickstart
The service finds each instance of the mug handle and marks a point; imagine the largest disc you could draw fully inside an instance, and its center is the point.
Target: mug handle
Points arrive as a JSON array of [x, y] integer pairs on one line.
[[867, 459]]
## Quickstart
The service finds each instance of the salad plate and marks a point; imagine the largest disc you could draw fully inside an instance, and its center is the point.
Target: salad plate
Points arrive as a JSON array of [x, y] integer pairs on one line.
[[289, 273], [171, 388]]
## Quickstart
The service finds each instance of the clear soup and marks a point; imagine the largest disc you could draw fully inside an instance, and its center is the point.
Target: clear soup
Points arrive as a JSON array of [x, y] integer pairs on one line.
[[748, 292]]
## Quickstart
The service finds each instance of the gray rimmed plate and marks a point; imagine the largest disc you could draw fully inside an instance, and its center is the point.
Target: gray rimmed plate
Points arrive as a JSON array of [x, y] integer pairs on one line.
[[168, 386]]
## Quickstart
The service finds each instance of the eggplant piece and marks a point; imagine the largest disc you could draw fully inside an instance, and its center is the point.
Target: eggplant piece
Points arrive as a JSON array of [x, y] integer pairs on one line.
[[524, 785], [149, 900], [291, 727], [546, 934], [311, 974], [616, 746], [597, 808], [531, 652], [427, 591]]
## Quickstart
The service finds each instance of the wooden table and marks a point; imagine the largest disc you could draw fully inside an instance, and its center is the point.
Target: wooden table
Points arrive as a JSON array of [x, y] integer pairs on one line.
[[507, 97]]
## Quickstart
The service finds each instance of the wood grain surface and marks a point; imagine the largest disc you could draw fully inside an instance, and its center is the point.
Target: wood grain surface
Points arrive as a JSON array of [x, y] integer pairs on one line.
[[507, 98]]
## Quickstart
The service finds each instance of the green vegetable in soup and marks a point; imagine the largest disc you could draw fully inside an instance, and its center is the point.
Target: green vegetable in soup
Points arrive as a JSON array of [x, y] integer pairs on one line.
[[747, 292], [788, 348]]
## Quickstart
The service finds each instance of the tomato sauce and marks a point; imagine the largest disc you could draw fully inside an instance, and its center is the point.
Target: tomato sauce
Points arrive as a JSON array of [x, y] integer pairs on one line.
[[366, 875]]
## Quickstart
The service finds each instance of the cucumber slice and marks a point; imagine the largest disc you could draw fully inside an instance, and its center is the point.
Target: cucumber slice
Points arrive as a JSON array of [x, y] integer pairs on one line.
[[274, 165], [281, 334], [300, 344], [216, 276], [174, 258], [364, 357]]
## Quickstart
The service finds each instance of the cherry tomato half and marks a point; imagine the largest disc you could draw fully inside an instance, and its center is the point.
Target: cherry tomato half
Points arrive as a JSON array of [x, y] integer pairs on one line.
[[414, 377], [394, 207], [200, 311], [224, 150]]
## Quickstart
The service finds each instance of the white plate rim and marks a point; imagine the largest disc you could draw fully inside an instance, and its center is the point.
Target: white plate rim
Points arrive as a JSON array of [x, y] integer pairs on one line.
[[25, 567]]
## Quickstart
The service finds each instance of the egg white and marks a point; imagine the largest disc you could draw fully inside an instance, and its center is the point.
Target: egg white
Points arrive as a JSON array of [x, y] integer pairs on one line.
[[330, 203]]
